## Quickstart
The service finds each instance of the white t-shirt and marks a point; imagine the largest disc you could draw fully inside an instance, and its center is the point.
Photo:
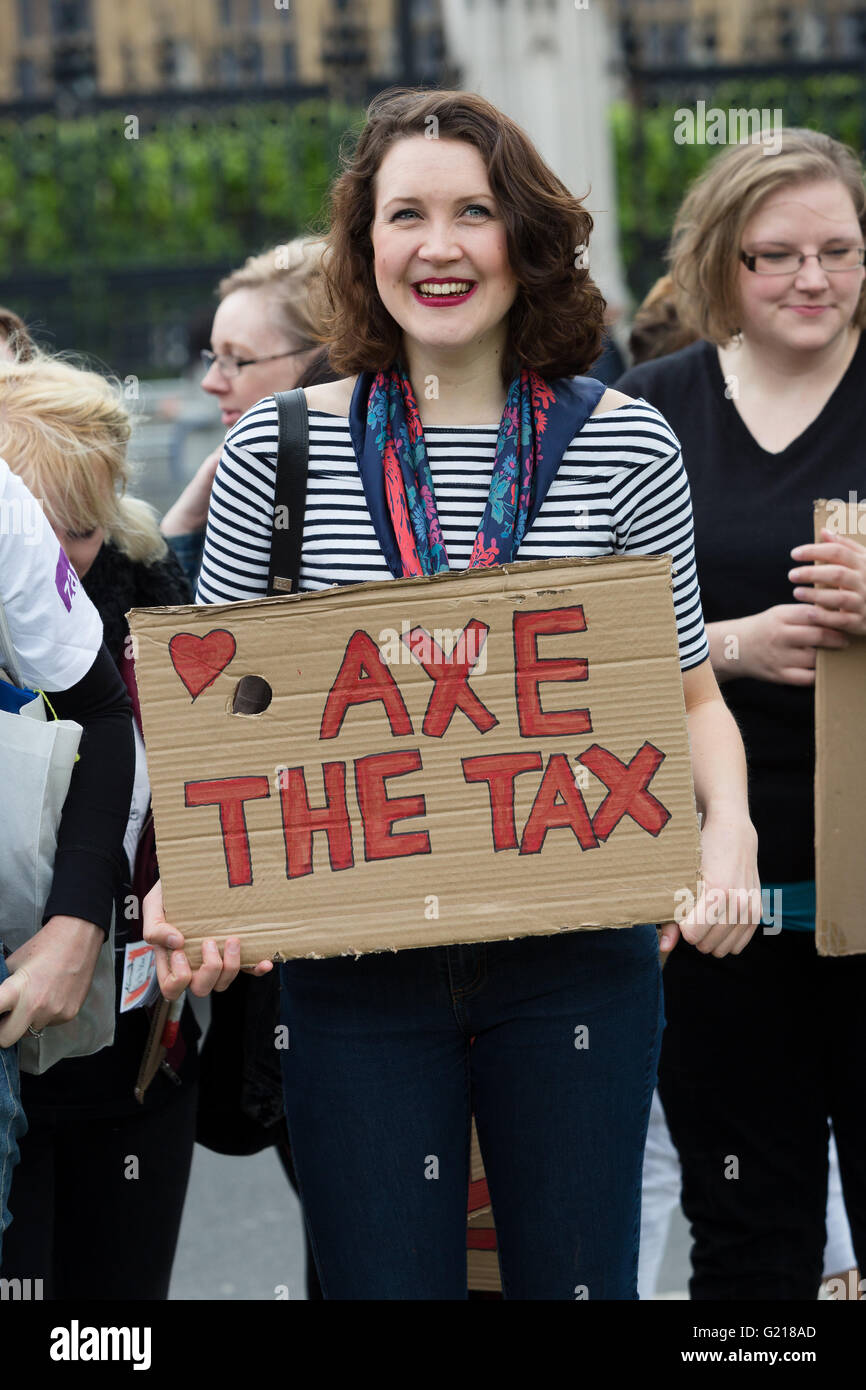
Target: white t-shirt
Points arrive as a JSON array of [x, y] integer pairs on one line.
[[55, 629]]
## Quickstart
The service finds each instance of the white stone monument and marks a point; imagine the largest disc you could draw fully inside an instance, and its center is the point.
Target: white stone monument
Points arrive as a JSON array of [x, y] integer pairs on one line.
[[546, 63]]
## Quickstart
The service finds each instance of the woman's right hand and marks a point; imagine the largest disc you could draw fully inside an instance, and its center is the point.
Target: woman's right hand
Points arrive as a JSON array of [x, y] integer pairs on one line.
[[174, 972], [779, 645]]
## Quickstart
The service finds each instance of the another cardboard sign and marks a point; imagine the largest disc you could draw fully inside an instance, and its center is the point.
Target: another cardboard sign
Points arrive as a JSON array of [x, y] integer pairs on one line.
[[840, 769], [475, 756], [482, 1259]]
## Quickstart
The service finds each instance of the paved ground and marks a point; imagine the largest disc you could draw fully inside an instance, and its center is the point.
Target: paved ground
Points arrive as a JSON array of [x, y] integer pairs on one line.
[[241, 1235]]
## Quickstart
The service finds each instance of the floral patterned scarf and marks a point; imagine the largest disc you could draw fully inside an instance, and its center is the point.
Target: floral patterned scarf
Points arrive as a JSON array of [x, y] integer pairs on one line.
[[392, 415], [391, 455]]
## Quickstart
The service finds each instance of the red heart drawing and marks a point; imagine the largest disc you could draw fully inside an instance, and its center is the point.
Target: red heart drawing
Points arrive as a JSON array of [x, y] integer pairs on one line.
[[199, 660]]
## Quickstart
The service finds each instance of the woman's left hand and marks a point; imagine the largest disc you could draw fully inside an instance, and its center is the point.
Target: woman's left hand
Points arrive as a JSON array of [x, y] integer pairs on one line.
[[838, 565], [49, 977], [728, 908]]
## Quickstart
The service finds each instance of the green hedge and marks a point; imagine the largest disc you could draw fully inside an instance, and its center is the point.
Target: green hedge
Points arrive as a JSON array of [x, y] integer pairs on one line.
[[207, 186], [204, 186]]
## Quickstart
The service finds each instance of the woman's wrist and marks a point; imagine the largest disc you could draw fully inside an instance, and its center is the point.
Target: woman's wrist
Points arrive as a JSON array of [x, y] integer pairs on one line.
[[731, 810], [728, 649]]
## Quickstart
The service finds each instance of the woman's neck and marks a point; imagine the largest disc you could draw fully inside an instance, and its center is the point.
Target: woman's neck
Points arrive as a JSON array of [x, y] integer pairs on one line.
[[456, 390], [765, 373]]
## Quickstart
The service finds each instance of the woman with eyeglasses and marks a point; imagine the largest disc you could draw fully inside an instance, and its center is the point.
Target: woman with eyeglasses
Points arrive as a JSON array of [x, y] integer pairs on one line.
[[761, 1049], [452, 261], [263, 340]]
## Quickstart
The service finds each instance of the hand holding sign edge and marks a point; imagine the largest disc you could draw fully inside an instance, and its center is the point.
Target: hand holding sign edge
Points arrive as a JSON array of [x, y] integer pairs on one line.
[[173, 969]]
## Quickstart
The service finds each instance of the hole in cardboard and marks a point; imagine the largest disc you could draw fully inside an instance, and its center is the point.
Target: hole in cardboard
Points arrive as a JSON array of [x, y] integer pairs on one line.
[[252, 695]]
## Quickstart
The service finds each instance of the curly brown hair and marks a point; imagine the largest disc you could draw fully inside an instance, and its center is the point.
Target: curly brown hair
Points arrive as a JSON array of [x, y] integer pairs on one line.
[[555, 324]]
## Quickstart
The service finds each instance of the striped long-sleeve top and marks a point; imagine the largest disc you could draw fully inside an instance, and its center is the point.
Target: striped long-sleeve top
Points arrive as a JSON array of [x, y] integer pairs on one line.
[[621, 489]]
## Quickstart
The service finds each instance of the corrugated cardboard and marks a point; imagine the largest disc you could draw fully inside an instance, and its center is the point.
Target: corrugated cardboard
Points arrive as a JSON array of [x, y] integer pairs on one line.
[[840, 770], [479, 1197], [482, 1258], [602, 831]]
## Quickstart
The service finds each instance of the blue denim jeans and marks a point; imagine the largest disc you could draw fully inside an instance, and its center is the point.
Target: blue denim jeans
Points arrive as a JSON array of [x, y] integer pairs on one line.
[[12, 1122], [552, 1041]]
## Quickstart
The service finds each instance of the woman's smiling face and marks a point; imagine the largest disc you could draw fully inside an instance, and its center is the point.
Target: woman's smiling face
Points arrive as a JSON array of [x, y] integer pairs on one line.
[[806, 310], [436, 220]]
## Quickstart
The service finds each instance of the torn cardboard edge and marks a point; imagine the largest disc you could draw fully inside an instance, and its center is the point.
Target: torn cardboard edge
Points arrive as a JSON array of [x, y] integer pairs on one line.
[[840, 768]]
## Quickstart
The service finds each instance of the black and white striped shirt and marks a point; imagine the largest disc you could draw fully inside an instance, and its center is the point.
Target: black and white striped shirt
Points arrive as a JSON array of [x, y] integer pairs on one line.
[[621, 488]]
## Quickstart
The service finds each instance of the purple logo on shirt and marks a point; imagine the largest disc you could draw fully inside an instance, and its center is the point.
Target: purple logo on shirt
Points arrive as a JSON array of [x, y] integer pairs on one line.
[[65, 580]]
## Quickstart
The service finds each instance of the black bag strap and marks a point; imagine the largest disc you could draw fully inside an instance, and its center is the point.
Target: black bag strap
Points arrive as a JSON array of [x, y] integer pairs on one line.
[[290, 492]]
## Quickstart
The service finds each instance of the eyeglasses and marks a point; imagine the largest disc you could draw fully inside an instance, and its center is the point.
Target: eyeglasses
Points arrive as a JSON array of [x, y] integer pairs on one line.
[[230, 366], [789, 262]]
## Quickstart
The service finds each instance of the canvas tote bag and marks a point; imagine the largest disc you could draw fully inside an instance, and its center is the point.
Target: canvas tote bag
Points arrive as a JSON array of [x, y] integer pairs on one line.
[[37, 754]]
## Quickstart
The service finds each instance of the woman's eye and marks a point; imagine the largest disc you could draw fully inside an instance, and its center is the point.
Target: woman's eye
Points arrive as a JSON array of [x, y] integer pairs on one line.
[[81, 535], [472, 207]]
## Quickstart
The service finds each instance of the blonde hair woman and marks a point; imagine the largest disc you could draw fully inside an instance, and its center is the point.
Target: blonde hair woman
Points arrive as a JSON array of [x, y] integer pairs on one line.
[[770, 407], [65, 432], [266, 337]]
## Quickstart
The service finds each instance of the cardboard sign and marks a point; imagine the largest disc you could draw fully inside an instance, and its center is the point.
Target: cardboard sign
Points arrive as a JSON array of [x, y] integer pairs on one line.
[[475, 756], [840, 769], [482, 1259]]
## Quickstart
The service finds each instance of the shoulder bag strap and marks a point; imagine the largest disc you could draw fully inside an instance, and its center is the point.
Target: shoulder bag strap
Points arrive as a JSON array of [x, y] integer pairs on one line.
[[290, 492]]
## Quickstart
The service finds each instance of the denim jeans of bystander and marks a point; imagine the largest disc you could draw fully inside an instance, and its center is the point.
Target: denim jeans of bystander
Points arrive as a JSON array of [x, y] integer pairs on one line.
[[12, 1122]]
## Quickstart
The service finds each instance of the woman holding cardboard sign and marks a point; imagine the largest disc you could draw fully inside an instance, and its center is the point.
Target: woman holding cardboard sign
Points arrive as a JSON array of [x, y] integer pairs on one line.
[[461, 303], [768, 265]]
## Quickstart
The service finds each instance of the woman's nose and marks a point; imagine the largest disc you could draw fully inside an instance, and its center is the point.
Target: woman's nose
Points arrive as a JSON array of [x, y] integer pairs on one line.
[[439, 243], [812, 274], [214, 381]]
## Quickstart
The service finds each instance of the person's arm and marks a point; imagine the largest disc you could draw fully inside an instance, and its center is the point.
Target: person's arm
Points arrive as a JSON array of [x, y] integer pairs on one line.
[[729, 907], [656, 518], [189, 512], [51, 973], [90, 862]]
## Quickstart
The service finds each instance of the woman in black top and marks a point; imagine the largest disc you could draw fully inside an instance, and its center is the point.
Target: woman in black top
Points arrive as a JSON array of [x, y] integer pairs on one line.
[[770, 408]]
